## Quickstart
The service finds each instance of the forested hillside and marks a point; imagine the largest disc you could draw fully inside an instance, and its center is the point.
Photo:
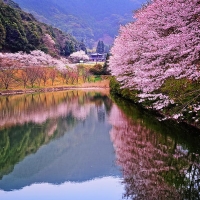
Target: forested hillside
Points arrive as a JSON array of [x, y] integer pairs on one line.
[[20, 31], [90, 20]]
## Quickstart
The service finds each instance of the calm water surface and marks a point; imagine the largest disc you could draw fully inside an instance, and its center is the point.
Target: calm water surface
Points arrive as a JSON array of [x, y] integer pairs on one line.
[[83, 145]]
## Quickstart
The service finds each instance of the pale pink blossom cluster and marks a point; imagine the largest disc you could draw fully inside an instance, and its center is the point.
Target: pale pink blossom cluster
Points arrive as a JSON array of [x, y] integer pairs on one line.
[[196, 107], [78, 56], [177, 116], [162, 42], [36, 58], [160, 100]]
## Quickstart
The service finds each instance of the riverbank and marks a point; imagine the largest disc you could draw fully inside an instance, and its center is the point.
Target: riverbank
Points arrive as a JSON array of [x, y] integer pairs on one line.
[[99, 84], [176, 99]]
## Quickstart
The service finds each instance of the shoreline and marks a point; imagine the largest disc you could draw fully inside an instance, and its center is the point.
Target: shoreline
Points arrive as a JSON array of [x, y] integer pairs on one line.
[[50, 89]]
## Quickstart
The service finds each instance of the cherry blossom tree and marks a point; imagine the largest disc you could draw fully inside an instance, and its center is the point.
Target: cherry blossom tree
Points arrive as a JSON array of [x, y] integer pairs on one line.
[[79, 55], [163, 41], [36, 58]]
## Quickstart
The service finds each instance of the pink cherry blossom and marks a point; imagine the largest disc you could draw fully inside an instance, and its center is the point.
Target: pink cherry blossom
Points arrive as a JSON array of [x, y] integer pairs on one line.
[[163, 41]]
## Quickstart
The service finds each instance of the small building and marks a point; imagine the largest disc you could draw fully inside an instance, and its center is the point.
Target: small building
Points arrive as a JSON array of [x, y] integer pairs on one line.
[[97, 57]]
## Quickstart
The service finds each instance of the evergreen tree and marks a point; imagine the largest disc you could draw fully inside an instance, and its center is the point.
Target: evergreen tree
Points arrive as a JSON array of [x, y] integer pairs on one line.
[[106, 65], [2, 35], [82, 46], [100, 47], [69, 48]]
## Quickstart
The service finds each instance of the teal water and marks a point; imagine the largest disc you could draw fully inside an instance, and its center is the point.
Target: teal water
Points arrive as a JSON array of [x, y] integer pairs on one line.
[[83, 145]]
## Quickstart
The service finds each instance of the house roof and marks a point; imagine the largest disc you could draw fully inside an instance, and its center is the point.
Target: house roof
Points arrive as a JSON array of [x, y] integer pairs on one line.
[[96, 54]]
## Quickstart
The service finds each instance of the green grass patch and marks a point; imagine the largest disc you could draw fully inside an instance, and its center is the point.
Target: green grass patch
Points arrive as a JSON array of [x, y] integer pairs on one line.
[[186, 96]]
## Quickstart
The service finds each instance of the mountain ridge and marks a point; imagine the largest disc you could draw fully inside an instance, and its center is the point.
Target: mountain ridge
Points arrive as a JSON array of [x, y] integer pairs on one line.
[[88, 20]]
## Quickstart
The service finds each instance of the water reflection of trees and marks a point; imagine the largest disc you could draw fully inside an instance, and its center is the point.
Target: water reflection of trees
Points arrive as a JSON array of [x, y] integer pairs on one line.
[[29, 121], [154, 165]]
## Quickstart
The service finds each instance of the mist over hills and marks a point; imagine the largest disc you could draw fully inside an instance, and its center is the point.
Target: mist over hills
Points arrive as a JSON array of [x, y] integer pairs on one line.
[[88, 20]]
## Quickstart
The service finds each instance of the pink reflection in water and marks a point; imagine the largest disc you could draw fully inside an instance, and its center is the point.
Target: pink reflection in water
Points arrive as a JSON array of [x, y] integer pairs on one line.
[[152, 163]]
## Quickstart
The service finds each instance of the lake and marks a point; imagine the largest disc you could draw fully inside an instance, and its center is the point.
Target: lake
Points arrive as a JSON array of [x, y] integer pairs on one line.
[[87, 144]]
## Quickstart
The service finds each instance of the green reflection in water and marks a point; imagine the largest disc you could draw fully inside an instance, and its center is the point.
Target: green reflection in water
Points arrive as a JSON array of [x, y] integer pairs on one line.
[[159, 159], [18, 142], [29, 121]]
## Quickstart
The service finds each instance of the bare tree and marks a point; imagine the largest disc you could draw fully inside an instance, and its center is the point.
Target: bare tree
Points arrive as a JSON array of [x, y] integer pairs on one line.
[[52, 75], [65, 74], [39, 75], [24, 77], [32, 73], [86, 75], [8, 70], [44, 74], [74, 75]]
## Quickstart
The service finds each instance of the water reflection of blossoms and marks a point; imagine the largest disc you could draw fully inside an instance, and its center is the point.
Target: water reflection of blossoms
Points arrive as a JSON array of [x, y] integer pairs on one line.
[[154, 165], [37, 108]]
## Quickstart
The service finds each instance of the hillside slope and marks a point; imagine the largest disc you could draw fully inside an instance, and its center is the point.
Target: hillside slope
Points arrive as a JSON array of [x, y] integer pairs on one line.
[[20, 31], [90, 20]]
